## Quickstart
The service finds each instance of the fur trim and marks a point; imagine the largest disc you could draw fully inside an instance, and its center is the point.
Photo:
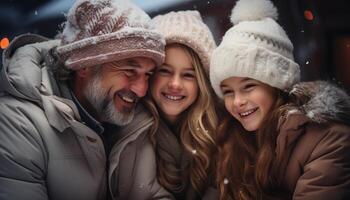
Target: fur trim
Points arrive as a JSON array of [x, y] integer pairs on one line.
[[253, 10], [322, 101]]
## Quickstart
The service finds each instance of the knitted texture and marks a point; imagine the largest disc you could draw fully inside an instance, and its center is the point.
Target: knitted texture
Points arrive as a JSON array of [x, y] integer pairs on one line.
[[100, 31], [256, 47], [187, 28]]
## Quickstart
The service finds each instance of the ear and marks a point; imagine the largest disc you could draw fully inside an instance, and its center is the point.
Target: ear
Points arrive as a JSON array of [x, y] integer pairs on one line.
[[83, 72]]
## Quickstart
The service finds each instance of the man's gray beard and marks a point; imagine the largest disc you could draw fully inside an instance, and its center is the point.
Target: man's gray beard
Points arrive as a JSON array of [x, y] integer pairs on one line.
[[104, 106]]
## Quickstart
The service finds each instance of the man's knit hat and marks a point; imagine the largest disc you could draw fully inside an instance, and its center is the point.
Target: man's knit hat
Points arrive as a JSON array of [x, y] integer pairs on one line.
[[256, 47], [187, 28], [101, 31]]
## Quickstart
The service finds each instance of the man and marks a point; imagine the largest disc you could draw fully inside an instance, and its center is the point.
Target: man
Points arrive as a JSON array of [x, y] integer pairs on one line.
[[61, 100]]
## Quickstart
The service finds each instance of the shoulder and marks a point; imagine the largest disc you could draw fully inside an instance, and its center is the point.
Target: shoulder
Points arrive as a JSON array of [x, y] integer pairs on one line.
[[21, 142], [326, 149]]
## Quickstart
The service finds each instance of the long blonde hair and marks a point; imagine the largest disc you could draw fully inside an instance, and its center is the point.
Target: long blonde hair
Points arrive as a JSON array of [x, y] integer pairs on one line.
[[197, 133]]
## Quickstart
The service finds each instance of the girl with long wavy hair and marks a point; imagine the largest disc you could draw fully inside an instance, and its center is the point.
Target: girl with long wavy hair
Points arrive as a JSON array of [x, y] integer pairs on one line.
[[184, 141], [281, 139]]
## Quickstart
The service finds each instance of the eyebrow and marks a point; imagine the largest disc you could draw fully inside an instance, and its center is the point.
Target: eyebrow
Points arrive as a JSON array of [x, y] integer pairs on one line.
[[186, 69], [243, 80], [132, 63]]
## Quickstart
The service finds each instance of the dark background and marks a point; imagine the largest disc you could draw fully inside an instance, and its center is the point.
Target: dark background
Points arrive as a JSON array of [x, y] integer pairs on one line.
[[322, 44]]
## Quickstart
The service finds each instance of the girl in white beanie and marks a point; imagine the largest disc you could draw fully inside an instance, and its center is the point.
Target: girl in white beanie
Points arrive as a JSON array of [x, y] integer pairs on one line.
[[181, 92], [281, 139]]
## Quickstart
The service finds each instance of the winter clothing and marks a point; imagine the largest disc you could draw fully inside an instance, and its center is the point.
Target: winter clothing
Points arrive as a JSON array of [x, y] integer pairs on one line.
[[255, 47], [187, 28], [46, 150], [178, 161], [132, 171], [98, 32], [314, 143]]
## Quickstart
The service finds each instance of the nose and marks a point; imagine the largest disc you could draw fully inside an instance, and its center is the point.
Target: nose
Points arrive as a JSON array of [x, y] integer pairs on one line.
[[140, 85], [239, 100], [175, 83]]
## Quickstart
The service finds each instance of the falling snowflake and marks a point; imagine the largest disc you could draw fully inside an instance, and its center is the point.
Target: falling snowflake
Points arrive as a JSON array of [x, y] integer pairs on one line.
[[194, 151], [226, 181], [302, 31], [36, 12], [307, 62]]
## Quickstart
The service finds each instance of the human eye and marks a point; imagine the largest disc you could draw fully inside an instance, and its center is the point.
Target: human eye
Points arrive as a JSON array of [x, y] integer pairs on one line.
[[163, 71], [189, 75], [150, 73], [227, 91], [249, 86], [129, 72]]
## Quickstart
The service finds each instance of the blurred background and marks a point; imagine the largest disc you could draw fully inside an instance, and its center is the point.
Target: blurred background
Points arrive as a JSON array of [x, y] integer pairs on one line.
[[319, 29]]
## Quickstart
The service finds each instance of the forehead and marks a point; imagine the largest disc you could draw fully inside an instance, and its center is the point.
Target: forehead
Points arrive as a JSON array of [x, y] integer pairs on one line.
[[139, 63], [178, 57], [234, 81]]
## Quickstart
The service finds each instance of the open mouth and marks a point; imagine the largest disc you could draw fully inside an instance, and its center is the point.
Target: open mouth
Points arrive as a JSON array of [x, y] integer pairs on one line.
[[173, 97], [130, 99], [247, 113]]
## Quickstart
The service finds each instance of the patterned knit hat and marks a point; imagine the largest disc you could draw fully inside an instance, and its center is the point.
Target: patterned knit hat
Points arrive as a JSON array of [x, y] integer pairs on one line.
[[255, 47], [187, 28], [100, 31]]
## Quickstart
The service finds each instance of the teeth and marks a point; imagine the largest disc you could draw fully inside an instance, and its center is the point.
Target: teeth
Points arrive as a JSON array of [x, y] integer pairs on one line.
[[174, 98], [244, 114], [127, 99]]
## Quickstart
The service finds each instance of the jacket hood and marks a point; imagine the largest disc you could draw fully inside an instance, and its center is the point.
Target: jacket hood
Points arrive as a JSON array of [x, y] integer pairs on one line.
[[322, 101], [23, 74]]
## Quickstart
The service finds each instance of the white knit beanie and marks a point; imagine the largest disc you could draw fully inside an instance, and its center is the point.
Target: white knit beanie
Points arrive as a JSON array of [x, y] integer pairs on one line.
[[101, 31], [256, 47], [187, 28]]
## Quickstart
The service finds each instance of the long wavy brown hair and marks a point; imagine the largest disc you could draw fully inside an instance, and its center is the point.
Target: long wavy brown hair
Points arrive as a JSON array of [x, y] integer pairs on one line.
[[197, 132], [247, 166]]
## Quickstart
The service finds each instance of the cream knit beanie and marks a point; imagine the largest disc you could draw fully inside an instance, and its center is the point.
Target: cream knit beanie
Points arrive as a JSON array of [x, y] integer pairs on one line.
[[101, 31], [187, 28], [255, 47]]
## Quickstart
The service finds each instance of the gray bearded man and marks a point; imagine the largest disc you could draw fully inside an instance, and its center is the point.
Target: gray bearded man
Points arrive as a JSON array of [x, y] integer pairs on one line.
[[63, 101]]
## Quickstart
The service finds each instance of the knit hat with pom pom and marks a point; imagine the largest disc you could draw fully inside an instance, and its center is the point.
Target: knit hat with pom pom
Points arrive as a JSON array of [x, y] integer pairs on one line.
[[256, 47], [187, 28], [101, 31]]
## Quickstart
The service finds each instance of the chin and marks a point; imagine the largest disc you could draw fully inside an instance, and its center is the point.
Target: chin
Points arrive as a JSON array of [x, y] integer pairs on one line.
[[250, 128]]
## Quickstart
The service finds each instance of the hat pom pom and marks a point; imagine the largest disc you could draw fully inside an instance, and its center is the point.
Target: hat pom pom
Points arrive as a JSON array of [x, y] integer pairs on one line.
[[252, 10]]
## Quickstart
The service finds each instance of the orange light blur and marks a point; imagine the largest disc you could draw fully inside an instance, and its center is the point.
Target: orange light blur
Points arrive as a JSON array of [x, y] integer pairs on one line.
[[308, 15], [4, 43]]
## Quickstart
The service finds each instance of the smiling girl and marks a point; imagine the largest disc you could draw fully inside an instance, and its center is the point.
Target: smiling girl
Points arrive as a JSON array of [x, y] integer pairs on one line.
[[181, 91], [281, 139]]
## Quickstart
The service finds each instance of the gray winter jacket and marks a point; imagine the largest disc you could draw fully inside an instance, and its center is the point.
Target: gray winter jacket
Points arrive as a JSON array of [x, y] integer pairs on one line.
[[132, 170], [46, 152]]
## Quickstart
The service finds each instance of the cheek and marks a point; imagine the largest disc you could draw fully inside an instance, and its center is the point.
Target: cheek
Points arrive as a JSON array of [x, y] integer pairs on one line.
[[114, 81], [228, 105], [193, 89], [156, 84], [265, 101]]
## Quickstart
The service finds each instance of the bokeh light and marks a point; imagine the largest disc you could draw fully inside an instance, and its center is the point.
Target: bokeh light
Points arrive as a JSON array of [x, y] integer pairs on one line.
[[308, 15], [4, 43]]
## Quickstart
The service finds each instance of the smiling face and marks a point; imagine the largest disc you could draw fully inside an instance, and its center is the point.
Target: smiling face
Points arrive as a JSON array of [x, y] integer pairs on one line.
[[114, 88], [248, 100], [174, 86]]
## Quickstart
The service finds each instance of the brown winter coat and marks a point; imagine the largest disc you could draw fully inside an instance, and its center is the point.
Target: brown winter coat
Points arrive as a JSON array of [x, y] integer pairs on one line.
[[314, 144]]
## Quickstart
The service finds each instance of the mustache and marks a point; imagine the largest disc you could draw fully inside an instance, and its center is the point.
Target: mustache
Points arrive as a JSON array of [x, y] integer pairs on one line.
[[125, 93]]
